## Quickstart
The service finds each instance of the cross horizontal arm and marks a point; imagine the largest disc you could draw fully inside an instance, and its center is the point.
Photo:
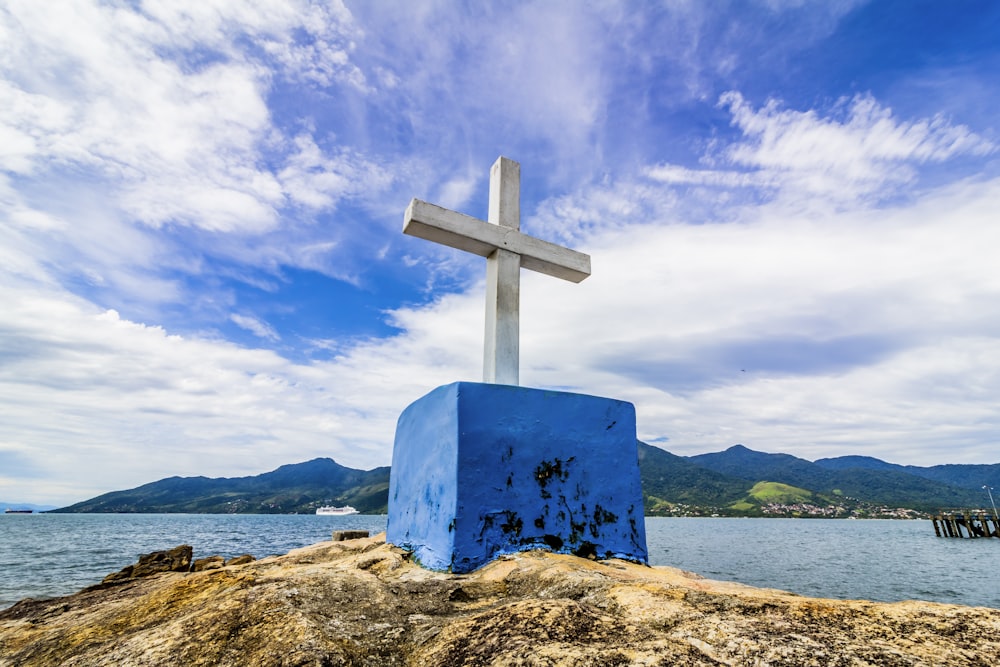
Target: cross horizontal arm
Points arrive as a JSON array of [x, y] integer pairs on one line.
[[464, 232]]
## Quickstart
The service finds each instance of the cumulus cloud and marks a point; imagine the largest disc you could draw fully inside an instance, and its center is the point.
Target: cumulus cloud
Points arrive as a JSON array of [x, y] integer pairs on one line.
[[158, 115], [95, 399], [117, 107]]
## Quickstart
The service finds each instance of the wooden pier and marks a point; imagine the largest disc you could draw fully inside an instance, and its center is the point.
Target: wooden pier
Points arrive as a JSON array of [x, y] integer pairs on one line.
[[970, 524]]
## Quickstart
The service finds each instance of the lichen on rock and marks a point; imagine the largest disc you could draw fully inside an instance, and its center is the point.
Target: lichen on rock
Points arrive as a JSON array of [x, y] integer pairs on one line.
[[363, 602]]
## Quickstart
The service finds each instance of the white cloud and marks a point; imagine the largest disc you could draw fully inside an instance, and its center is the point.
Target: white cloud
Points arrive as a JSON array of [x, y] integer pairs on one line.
[[856, 155], [482, 81], [165, 106], [103, 402], [676, 175], [606, 206], [255, 326], [317, 179], [456, 192], [144, 146], [320, 55], [864, 153]]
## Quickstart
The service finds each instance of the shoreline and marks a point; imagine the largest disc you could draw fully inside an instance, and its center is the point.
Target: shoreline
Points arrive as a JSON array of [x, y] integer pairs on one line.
[[885, 560], [346, 602]]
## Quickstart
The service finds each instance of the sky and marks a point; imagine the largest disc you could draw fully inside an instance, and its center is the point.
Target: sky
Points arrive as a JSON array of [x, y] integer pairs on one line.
[[792, 210]]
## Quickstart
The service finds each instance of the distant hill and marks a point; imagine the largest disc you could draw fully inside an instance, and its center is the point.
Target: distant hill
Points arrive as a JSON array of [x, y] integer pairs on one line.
[[302, 487], [299, 487], [848, 462], [966, 476], [863, 478], [743, 463], [737, 481], [669, 479]]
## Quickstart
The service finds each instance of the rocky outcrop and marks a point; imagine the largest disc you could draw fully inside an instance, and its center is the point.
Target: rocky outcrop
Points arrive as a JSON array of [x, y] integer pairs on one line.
[[209, 563], [363, 602], [177, 559], [341, 535], [240, 560]]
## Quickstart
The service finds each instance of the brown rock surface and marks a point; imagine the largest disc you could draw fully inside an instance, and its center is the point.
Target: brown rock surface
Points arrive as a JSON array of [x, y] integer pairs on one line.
[[240, 560], [177, 559], [363, 602], [209, 563]]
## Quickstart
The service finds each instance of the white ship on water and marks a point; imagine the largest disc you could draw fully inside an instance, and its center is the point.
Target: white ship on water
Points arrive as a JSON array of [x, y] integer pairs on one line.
[[336, 511]]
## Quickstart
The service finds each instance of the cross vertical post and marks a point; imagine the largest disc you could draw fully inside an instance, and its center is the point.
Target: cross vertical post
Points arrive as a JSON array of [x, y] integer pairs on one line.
[[503, 279], [507, 251]]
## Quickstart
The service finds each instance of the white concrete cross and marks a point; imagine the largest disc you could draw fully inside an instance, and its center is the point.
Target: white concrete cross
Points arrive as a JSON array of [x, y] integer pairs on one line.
[[506, 250]]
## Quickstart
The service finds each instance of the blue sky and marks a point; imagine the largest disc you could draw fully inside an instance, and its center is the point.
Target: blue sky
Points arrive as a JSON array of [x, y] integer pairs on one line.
[[791, 210]]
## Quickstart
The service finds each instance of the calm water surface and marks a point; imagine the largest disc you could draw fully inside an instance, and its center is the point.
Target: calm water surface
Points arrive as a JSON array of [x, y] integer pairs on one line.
[[45, 555], [835, 558]]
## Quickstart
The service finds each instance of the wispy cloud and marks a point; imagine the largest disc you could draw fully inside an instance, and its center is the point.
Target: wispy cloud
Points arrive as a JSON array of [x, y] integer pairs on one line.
[[529, 80], [255, 326], [859, 152], [856, 153]]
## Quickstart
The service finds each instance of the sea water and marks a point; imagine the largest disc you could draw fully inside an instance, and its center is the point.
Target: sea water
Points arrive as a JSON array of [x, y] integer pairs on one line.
[[877, 559], [48, 555]]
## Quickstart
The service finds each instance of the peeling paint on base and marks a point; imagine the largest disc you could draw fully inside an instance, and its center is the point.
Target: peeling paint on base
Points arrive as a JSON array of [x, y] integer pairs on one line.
[[481, 470]]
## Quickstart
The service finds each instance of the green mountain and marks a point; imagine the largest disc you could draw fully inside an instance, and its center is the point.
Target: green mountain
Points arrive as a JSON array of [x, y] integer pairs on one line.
[[965, 476], [669, 480], [302, 487], [848, 462], [875, 484], [743, 463], [736, 481], [295, 488]]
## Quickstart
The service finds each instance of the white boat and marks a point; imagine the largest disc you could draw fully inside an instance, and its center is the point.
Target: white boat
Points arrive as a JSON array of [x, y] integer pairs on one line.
[[336, 511]]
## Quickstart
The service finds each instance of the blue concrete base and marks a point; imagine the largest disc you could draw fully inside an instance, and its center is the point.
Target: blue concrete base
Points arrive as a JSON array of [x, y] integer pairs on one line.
[[480, 470]]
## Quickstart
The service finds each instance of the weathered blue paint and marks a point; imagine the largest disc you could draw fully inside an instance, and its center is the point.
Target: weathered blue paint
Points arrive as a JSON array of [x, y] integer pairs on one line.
[[480, 470]]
